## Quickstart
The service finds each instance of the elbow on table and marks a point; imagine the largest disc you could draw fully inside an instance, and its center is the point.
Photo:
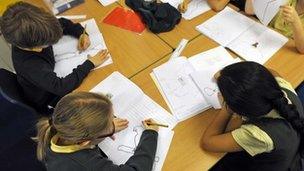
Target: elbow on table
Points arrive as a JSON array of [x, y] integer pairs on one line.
[[300, 50], [205, 144], [215, 6]]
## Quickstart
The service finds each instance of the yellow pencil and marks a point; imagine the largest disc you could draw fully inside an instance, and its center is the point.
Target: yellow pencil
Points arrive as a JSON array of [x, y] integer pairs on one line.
[[157, 124]]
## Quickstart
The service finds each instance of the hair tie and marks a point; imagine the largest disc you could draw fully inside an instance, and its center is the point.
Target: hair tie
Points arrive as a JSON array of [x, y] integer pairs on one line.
[[51, 121]]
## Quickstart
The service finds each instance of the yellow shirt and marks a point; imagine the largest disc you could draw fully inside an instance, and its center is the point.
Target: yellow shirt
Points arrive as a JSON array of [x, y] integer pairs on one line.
[[4, 4], [251, 138], [280, 25], [65, 149]]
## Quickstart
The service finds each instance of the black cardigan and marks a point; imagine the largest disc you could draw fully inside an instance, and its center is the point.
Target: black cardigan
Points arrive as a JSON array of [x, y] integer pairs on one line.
[[35, 72], [96, 159]]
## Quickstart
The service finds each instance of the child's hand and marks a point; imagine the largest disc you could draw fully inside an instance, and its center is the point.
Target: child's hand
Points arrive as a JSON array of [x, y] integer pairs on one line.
[[183, 6], [120, 124], [150, 127], [290, 14], [83, 42], [99, 58]]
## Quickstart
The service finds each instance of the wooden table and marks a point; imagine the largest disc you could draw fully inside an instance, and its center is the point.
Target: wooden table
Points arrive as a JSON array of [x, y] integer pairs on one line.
[[185, 152], [130, 52]]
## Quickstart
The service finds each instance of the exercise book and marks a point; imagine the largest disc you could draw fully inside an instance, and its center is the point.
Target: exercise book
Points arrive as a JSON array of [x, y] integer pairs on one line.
[[130, 102], [174, 81], [246, 37], [68, 57]]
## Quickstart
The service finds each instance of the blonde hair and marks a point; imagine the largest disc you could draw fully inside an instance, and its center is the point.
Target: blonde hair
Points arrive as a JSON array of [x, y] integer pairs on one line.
[[77, 116]]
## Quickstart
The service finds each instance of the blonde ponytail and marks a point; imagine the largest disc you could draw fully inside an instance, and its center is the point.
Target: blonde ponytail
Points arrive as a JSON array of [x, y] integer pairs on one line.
[[43, 137]]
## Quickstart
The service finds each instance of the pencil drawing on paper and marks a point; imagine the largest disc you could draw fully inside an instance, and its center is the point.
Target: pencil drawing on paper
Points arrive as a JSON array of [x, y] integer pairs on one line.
[[131, 148], [210, 91]]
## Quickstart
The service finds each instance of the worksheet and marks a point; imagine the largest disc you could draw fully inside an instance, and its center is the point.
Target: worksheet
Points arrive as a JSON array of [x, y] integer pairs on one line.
[[180, 91], [266, 10], [249, 39], [131, 103], [205, 81], [195, 7], [68, 57]]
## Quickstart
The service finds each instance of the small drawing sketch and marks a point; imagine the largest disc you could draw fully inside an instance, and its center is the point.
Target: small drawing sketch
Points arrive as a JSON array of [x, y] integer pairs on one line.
[[131, 149], [255, 44], [210, 91]]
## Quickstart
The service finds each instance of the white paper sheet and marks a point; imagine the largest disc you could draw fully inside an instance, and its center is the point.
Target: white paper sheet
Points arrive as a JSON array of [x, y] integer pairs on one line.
[[204, 79], [258, 43], [106, 2], [131, 103], [225, 26], [68, 57], [216, 56], [183, 96], [265, 10], [195, 7]]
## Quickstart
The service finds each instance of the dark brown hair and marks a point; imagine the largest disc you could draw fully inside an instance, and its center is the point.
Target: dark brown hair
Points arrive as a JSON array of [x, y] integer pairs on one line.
[[28, 26]]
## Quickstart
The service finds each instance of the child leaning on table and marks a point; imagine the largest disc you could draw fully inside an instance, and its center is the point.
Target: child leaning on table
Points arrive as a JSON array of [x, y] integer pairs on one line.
[[68, 141], [32, 32], [269, 132]]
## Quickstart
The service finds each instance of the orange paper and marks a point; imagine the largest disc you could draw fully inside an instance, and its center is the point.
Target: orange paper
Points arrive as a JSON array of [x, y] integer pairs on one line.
[[126, 19]]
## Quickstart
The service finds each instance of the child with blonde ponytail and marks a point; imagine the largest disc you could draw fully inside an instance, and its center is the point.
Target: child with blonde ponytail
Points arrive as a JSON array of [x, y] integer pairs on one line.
[[68, 140]]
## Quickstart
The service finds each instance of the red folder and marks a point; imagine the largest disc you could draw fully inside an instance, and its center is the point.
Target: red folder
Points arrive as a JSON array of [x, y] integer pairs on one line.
[[126, 19]]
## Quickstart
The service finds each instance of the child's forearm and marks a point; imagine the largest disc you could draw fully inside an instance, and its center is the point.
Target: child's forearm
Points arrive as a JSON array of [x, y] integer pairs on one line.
[[217, 5], [249, 7], [218, 125], [298, 35]]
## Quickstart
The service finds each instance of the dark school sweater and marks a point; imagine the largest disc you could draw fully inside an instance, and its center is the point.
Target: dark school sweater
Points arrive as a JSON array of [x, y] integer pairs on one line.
[[35, 72]]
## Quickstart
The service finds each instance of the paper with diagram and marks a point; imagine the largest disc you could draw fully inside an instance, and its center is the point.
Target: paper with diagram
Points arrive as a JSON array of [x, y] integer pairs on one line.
[[266, 10], [180, 91], [204, 79], [68, 57], [195, 7], [249, 39], [131, 103]]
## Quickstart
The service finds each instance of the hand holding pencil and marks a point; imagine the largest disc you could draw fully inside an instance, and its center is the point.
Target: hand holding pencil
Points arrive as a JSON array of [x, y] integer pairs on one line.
[[152, 125], [84, 40]]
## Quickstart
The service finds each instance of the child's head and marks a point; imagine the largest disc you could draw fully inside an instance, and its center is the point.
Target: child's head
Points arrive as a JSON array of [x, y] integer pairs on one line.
[[28, 26], [80, 118]]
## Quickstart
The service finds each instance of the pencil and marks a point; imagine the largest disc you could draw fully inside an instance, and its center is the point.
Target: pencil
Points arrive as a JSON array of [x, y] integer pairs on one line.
[[157, 124]]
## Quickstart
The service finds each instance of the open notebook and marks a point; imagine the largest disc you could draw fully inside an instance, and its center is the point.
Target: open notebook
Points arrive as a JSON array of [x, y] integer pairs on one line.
[[195, 7], [131, 103], [68, 57], [249, 39], [180, 91]]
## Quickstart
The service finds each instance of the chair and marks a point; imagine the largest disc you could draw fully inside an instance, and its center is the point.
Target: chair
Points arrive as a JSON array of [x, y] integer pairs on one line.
[[17, 126]]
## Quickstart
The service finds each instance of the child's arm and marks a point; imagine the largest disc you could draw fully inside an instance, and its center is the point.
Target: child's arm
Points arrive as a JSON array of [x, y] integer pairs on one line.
[[39, 73], [291, 16], [142, 159], [249, 7], [218, 5], [215, 139]]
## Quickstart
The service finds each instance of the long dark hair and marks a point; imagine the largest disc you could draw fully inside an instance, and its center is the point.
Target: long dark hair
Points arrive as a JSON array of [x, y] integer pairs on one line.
[[250, 90]]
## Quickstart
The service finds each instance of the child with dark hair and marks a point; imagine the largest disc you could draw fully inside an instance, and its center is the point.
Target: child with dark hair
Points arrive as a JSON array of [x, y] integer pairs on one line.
[[268, 134], [32, 32]]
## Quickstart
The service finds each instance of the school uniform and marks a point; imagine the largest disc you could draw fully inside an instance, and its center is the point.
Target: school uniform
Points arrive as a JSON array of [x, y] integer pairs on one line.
[[36, 76], [281, 25], [66, 158], [270, 143], [239, 3]]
